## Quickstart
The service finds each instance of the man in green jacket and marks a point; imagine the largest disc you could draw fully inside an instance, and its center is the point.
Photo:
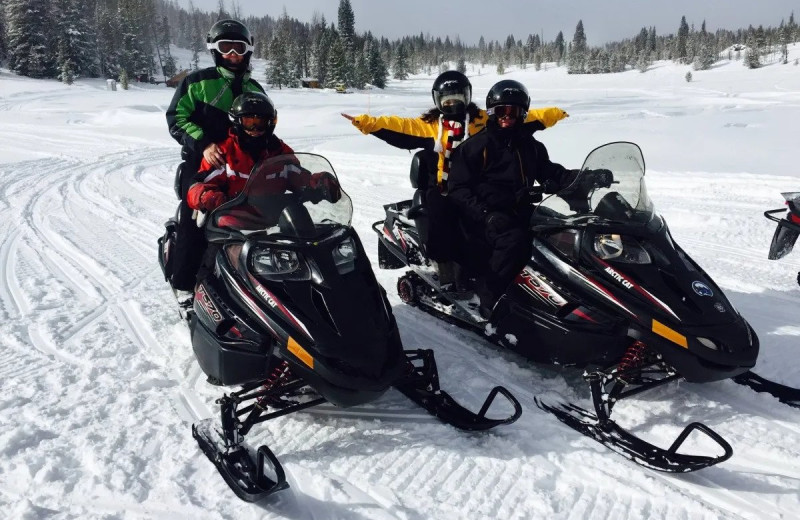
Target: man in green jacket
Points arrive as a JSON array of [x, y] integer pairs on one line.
[[198, 119]]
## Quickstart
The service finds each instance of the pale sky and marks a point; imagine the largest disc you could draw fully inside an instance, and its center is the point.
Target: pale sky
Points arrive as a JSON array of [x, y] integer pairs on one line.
[[603, 20]]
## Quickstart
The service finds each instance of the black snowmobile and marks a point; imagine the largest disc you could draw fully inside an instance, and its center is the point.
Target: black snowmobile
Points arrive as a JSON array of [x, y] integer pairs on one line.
[[293, 314], [608, 289], [788, 227]]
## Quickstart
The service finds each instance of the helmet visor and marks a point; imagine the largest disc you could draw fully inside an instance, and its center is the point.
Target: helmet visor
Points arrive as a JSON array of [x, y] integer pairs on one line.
[[254, 123], [500, 111], [230, 46], [452, 100]]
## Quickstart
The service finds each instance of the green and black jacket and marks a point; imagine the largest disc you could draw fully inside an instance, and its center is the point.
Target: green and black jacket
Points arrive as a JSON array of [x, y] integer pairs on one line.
[[198, 114]]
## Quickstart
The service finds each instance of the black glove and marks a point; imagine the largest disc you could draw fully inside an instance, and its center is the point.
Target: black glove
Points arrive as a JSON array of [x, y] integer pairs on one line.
[[530, 195], [497, 223], [600, 178]]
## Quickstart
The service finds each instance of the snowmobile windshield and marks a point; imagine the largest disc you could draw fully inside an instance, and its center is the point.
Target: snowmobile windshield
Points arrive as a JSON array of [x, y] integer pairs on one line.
[[609, 187], [295, 194]]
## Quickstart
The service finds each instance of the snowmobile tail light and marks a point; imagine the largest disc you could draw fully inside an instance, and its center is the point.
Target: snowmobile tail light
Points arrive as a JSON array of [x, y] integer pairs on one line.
[[621, 249], [344, 255]]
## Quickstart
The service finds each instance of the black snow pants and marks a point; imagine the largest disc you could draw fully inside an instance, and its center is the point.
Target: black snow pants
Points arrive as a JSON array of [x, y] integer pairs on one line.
[[507, 252], [190, 240]]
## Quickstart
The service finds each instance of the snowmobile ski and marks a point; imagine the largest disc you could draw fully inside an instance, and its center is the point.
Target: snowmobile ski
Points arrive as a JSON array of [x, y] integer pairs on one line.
[[785, 394], [619, 440], [245, 475], [422, 387]]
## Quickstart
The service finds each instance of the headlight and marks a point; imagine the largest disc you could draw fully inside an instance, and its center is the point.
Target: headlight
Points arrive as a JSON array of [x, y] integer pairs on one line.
[[621, 249], [267, 261], [344, 255]]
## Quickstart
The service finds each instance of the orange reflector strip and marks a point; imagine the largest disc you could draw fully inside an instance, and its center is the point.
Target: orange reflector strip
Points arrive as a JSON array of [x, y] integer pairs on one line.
[[300, 352], [666, 332]]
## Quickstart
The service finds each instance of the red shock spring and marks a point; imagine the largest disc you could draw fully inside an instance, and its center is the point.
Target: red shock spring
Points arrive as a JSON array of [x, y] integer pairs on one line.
[[633, 357], [274, 378]]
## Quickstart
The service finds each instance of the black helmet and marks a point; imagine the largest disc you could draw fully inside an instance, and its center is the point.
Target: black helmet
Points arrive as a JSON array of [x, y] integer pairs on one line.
[[508, 92], [254, 104], [229, 30], [452, 92]]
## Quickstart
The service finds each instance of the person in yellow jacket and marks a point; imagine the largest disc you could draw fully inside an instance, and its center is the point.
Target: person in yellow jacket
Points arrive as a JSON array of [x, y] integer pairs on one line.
[[445, 126], [441, 129]]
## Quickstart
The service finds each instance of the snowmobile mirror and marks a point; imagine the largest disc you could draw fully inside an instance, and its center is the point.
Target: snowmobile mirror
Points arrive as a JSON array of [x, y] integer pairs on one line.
[[295, 221]]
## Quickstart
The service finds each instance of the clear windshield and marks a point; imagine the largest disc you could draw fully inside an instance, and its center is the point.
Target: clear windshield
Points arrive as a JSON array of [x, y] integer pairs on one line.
[[296, 194], [625, 200]]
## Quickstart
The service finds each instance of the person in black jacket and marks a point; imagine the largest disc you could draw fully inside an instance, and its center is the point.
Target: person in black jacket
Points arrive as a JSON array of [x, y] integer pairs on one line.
[[490, 180], [198, 119]]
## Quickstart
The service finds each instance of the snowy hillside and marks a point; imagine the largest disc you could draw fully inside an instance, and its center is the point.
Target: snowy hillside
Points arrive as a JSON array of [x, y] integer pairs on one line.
[[99, 386]]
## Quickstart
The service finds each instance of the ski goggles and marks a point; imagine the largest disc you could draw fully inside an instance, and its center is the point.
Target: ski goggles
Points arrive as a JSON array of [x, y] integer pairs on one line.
[[511, 111], [230, 46], [256, 123]]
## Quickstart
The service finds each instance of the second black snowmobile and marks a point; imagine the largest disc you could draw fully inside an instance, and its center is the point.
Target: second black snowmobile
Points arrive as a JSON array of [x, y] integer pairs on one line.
[[607, 288], [292, 313]]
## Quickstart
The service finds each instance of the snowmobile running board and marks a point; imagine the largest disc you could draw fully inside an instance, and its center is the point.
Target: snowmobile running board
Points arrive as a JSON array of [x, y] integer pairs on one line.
[[785, 394], [616, 438]]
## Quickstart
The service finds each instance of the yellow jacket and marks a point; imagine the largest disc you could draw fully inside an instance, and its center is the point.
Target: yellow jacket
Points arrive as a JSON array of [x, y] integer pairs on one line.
[[412, 132]]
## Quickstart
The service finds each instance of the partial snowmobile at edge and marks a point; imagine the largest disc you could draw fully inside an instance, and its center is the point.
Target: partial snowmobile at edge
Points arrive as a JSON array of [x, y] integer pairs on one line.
[[606, 289], [788, 228], [293, 314]]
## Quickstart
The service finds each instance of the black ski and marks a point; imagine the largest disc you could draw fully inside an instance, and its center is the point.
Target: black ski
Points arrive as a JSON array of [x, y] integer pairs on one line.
[[422, 386], [785, 394], [246, 475], [616, 438]]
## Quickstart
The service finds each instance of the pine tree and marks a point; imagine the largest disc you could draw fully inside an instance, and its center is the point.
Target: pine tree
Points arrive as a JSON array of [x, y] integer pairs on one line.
[[376, 66], [74, 34], [137, 50], [461, 65], [361, 71], [3, 48], [501, 66], [482, 51], [196, 44], [337, 66], [168, 67], [279, 72], [643, 61], [682, 41], [752, 56], [347, 35], [559, 47], [28, 22], [401, 63], [319, 56], [578, 53], [108, 38]]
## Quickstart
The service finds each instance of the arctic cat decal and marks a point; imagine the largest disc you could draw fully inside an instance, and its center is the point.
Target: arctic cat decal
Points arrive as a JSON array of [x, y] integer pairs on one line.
[[205, 301], [618, 277], [532, 282], [263, 292]]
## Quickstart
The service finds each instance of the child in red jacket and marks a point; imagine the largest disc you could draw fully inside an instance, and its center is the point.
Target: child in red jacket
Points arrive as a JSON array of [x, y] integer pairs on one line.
[[250, 141]]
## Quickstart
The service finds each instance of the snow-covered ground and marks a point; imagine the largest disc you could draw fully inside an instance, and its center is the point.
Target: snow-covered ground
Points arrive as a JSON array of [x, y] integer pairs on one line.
[[99, 387]]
